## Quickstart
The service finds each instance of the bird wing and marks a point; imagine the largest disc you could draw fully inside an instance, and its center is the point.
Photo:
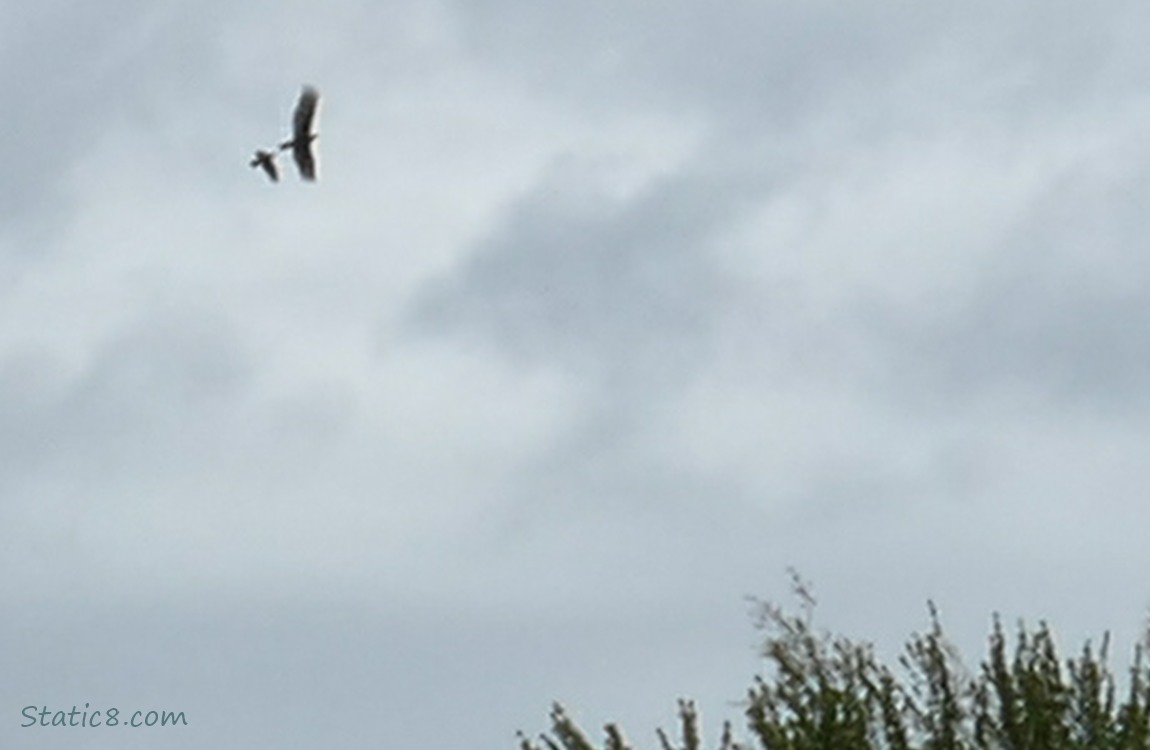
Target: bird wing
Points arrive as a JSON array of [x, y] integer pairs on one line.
[[304, 114], [304, 158]]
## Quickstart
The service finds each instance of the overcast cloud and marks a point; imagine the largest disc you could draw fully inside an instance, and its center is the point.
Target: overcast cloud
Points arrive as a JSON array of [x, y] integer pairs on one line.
[[598, 318]]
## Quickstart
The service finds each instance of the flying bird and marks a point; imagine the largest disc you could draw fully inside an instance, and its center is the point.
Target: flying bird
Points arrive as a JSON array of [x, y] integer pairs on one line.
[[266, 160], [300, 143], [302, 135]]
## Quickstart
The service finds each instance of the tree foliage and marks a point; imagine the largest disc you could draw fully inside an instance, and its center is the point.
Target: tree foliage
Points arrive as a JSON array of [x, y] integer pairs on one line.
[[828, 692]]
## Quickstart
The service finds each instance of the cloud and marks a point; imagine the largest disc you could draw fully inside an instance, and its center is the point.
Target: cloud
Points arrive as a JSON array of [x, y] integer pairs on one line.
[[789, 327], [575, 277], [150, 385], [71, 74], [1045, 303]]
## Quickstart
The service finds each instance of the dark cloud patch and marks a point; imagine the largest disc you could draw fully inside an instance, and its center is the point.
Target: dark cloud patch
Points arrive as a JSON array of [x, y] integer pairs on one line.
[[1059, 313], [627, 293], [579, 278], [161, 373], [152, 396], [1058, 340], [72, 72]]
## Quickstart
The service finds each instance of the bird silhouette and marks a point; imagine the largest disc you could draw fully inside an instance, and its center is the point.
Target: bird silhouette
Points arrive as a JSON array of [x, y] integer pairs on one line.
[[300, 142], [265, 160], [302, 135]]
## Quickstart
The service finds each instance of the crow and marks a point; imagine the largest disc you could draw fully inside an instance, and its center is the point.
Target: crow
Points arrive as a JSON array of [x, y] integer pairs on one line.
[[265, 160]]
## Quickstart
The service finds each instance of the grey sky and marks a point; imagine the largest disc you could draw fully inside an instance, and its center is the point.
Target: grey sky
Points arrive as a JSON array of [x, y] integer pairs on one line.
[[599, 317]]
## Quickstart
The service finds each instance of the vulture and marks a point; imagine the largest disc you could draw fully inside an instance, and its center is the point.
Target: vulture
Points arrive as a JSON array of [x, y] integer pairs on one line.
[[300, 143]]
